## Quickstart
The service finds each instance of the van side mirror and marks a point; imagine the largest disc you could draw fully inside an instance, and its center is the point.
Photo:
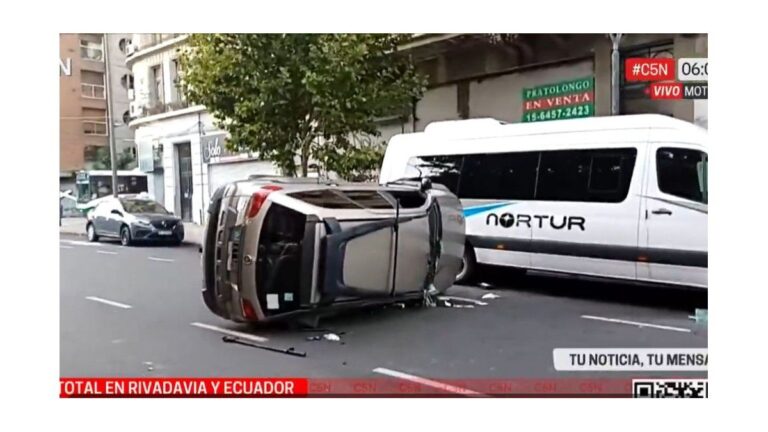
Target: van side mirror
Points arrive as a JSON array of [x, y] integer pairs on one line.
[[425, 184]]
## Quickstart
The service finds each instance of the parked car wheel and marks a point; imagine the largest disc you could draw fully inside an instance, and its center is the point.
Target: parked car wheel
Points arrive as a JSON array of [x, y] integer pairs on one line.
[[125, 236], [92, 237], [468, 264]]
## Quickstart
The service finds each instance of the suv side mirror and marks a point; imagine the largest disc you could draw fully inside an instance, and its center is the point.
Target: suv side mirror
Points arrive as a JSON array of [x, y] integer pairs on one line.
[[117, 212], [425, 184]]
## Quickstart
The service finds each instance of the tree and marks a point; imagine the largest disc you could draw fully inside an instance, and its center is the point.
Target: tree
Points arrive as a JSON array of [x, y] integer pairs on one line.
[[104, 159], [296, 98]]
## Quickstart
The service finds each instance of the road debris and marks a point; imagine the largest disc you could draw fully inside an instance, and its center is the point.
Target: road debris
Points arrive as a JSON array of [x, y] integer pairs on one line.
[[464, 306], [490, 296], [331, 337], [149, 365], [289, 351]]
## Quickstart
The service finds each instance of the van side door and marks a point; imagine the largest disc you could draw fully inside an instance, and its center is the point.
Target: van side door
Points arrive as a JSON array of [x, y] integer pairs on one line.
[[585, 213], [673, 237]]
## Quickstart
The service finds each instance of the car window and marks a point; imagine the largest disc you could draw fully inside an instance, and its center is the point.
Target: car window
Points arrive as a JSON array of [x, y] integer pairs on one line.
[[682, 173], [368, 199], [326, 198], [143, 206]]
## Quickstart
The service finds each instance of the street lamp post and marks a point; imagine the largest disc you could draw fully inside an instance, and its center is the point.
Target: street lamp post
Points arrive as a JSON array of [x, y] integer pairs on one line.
[[615, 71], [110, 127]]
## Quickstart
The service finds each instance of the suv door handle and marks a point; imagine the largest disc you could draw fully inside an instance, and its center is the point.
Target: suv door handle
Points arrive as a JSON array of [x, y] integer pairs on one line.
[[662, 211]]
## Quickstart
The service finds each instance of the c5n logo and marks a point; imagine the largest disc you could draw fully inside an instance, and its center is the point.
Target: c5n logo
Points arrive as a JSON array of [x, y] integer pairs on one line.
[[509, 220]]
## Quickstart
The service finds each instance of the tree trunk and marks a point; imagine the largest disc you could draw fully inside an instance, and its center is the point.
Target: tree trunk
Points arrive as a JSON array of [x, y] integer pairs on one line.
[[305, 154]]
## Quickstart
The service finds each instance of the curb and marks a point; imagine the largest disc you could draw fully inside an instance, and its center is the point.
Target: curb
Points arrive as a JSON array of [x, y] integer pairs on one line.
[[82, 234]]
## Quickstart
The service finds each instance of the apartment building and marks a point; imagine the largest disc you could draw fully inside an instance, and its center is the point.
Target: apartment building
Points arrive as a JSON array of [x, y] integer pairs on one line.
[[83, 96]]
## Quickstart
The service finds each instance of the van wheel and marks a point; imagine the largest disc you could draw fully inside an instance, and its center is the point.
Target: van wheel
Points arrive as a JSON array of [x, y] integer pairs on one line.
[[92, 237], [468, 265], [125, 236]]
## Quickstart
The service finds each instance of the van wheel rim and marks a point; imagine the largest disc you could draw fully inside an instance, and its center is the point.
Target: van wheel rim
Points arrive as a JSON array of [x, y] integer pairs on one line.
[[463, 270]]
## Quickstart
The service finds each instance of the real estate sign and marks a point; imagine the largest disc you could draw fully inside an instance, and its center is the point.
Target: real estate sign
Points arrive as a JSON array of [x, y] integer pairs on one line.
[[562, 100]]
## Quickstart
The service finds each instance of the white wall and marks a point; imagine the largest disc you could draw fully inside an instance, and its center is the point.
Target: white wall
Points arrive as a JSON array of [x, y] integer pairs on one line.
[[437, 104]]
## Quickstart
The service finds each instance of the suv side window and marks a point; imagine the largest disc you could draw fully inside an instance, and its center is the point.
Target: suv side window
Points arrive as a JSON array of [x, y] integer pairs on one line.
[[682, 173]]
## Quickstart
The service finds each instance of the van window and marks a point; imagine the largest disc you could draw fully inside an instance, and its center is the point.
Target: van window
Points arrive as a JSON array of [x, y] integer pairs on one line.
[[682, 173], [499, 176], [440, 169], [601, 175]]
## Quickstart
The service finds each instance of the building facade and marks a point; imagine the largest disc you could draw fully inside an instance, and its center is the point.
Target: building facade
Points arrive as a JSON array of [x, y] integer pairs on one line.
[[83, 96], [178, 144], [469, 76], [483, 75]]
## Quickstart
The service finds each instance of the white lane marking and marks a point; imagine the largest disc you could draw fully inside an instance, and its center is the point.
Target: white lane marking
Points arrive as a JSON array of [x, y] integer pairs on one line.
[[635, 323], [65, 247], [230, 332], [427, 382], [477, 302], [160, 259], [106, 252], [80, 243], [109, 302]]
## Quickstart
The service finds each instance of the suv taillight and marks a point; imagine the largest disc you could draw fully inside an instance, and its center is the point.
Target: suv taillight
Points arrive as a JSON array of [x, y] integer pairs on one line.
[[258, 198]]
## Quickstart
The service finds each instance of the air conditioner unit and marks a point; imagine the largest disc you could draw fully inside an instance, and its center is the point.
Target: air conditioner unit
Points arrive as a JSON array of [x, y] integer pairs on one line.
[[131, 49], [136, 109], [131, 94]]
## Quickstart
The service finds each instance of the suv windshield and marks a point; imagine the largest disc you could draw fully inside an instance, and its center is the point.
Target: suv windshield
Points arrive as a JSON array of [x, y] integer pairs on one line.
[[142, 206]]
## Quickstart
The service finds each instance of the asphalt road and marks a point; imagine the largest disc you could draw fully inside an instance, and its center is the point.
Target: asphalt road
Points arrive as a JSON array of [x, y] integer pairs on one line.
[[138, 312]]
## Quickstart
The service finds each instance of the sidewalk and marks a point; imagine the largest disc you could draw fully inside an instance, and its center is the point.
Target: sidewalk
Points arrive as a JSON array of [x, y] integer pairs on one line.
[[193, 233]]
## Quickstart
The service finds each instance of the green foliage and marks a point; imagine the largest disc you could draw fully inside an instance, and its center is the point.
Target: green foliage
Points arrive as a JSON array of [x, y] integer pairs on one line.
[[293, 98], [125, 160]]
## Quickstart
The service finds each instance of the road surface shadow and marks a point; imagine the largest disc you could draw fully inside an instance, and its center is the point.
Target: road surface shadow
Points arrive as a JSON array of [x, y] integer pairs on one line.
[[588, 289]]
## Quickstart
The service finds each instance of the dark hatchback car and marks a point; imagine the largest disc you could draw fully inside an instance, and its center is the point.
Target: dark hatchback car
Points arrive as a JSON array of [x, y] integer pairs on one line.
[[134, 220]]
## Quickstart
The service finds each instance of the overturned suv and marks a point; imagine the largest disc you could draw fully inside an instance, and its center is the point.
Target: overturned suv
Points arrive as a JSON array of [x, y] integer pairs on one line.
[[277, 248]]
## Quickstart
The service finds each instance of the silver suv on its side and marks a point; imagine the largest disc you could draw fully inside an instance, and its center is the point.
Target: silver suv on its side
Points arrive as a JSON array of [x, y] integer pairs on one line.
[[277, 248]]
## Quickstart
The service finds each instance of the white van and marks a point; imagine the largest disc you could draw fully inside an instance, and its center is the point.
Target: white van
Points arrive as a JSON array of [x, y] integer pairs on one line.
[[620, 197]]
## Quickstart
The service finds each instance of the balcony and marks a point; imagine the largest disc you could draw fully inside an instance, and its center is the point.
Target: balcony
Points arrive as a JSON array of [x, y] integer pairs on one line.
[[143, 113]]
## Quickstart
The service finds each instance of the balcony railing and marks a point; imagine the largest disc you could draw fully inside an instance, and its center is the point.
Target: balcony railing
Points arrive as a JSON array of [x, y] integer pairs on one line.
[[161, 108]]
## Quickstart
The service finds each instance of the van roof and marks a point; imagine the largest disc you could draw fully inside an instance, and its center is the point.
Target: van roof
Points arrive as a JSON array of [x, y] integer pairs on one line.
[[488, 127]]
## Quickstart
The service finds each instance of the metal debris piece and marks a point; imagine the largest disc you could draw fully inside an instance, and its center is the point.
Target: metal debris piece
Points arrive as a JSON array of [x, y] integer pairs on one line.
[[464, 306], [399, 305], [490, 296], [289, 351], [313, 338], [484, 284]]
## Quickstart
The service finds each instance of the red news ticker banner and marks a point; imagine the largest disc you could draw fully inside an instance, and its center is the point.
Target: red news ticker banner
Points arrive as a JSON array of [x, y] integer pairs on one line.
[[649, 69], [338, 387]]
